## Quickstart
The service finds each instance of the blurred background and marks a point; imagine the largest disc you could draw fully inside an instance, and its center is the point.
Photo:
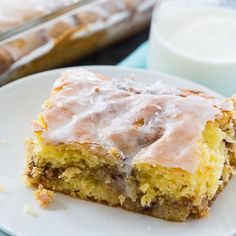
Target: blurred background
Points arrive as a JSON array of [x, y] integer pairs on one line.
[[38, 35], [191, 39]]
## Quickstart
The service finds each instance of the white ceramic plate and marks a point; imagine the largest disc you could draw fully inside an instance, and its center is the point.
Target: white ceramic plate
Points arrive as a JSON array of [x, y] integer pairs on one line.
[[20, 103]]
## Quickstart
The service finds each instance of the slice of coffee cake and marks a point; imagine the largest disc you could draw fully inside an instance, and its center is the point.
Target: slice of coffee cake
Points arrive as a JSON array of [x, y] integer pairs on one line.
[[151, 149]]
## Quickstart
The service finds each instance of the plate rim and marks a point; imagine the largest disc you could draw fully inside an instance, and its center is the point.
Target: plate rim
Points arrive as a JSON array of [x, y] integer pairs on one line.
[[111, 67]]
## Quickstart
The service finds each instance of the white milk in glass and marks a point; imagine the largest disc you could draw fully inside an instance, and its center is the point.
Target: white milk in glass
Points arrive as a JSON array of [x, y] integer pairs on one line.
[[195, 41]]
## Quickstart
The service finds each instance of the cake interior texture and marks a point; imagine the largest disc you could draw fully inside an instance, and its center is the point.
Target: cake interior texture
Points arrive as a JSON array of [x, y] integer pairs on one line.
[[101, 173]]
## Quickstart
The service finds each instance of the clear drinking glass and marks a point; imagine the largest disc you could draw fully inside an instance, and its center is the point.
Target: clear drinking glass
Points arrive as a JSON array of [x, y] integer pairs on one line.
[[196, 39]]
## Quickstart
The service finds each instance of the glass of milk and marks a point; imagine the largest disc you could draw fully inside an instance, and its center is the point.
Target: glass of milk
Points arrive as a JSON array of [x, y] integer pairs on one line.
[[196, 39]]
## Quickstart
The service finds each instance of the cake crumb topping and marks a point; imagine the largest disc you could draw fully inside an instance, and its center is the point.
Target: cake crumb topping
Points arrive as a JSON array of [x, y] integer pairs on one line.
[[43, 196]]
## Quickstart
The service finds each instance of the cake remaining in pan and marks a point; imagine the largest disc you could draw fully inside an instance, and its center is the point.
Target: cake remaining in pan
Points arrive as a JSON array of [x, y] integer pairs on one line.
[[14, 12], [154, 149], [74, 34]]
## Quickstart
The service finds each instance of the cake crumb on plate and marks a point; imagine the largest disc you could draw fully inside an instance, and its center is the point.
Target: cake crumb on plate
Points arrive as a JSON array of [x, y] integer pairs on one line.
[[43, 196], [1, 188], [3, 141], [28, 209]]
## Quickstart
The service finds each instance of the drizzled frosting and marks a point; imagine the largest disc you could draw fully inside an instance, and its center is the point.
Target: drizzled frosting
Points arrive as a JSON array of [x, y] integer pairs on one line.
[[153, 124]]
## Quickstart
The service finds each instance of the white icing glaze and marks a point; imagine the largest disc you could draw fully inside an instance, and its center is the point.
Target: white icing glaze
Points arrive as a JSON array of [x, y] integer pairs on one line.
[[36, 126], [89, 109], [226, 105]]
